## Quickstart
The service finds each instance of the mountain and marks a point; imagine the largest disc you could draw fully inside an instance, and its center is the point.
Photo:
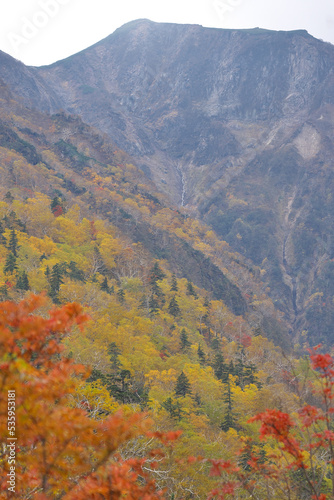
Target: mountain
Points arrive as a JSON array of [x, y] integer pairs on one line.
[[234, 126]]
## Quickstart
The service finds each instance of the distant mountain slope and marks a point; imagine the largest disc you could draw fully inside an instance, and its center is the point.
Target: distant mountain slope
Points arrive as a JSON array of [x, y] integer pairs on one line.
[[235, 125]]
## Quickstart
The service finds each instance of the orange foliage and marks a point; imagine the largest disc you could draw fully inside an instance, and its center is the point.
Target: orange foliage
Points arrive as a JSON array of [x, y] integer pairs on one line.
[[59, 452]]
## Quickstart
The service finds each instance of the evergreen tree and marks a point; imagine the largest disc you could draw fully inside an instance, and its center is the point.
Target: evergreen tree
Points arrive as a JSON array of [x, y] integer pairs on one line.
[[185, 344], [104, 285], [173, 307], [55, 280], [121, 295], [9, 197], [229, 418], [10, 264], [156, 274], [47, 273], [3, 240], [174, 409], [190, 290], [23, 282], [201, 355], [174, 287], [220, 368], [169, 406], [206, 303], [3, 292], [13, 242], [182, 385], [114, 352], [215, 344], [153, 305], [75, 273]]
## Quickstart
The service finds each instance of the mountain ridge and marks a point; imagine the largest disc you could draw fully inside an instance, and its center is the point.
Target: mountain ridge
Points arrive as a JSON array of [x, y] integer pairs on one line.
[[233, 125]]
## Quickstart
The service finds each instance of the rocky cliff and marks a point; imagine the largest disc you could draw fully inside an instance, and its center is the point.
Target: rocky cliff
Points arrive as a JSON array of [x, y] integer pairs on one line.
[[234, 125]]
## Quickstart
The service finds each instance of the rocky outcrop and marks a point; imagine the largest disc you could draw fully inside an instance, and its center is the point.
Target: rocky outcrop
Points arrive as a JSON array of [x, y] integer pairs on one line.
[[234, 125]]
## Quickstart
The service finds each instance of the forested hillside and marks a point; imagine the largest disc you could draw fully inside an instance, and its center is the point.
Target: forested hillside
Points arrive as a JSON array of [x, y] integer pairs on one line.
[[234, 125], [157, 325]]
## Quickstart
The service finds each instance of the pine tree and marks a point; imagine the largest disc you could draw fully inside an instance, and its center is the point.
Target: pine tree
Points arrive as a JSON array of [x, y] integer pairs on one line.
[[75, 273], [55, 280], [215, 344], [9, 197], [173, 307], [190, 290], [3, 292], [23, 282], [47, 273], [229, 418], [201, 355], [182, 385], [174, 409], [185, 344], [121, 295], [174, 287], [220, 368], [104, 285], [206, 303], [10, 264], [13, 242], [3, 240], [153, 305], [114, 352], [156, 274]]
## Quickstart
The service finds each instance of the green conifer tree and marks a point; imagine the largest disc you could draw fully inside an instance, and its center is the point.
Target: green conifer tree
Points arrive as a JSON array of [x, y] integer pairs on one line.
[[104, 285], [173, 307], [174, 287], [121, 295], [55, 280], [156, 274], [182, 387], [13, 242], [47, 273], [215, 344], [201, 355], [185, 344], [207, 303], [3, 292], [220, 368], [3, 240], [153, 305], [23, 282], [229, 418], [74, 272], [9, 197], [10, 264], [191, 290]]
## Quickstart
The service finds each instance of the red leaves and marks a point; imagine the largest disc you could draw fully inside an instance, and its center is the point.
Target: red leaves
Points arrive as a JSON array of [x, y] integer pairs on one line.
[[228, 488], [61, 448], [310, 415], [57, 210], [277, 424], [322, 362], [274, 423], [218, 466]]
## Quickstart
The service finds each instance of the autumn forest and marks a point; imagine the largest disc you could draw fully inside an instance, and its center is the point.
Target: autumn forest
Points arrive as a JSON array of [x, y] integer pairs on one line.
[[141, 355]]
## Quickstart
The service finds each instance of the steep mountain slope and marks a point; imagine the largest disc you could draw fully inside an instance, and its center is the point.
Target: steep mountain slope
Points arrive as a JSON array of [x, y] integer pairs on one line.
[[234, 125], [67, 160]]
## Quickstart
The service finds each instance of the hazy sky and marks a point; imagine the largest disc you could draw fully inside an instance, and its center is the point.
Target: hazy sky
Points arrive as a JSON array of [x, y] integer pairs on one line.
[[42, 31]]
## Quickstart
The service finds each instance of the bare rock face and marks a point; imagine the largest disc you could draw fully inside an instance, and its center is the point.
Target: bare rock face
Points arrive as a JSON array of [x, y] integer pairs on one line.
[[235, 125]]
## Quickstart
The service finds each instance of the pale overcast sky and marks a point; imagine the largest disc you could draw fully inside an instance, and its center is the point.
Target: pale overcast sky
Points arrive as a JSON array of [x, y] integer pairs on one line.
[[40, 32]]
